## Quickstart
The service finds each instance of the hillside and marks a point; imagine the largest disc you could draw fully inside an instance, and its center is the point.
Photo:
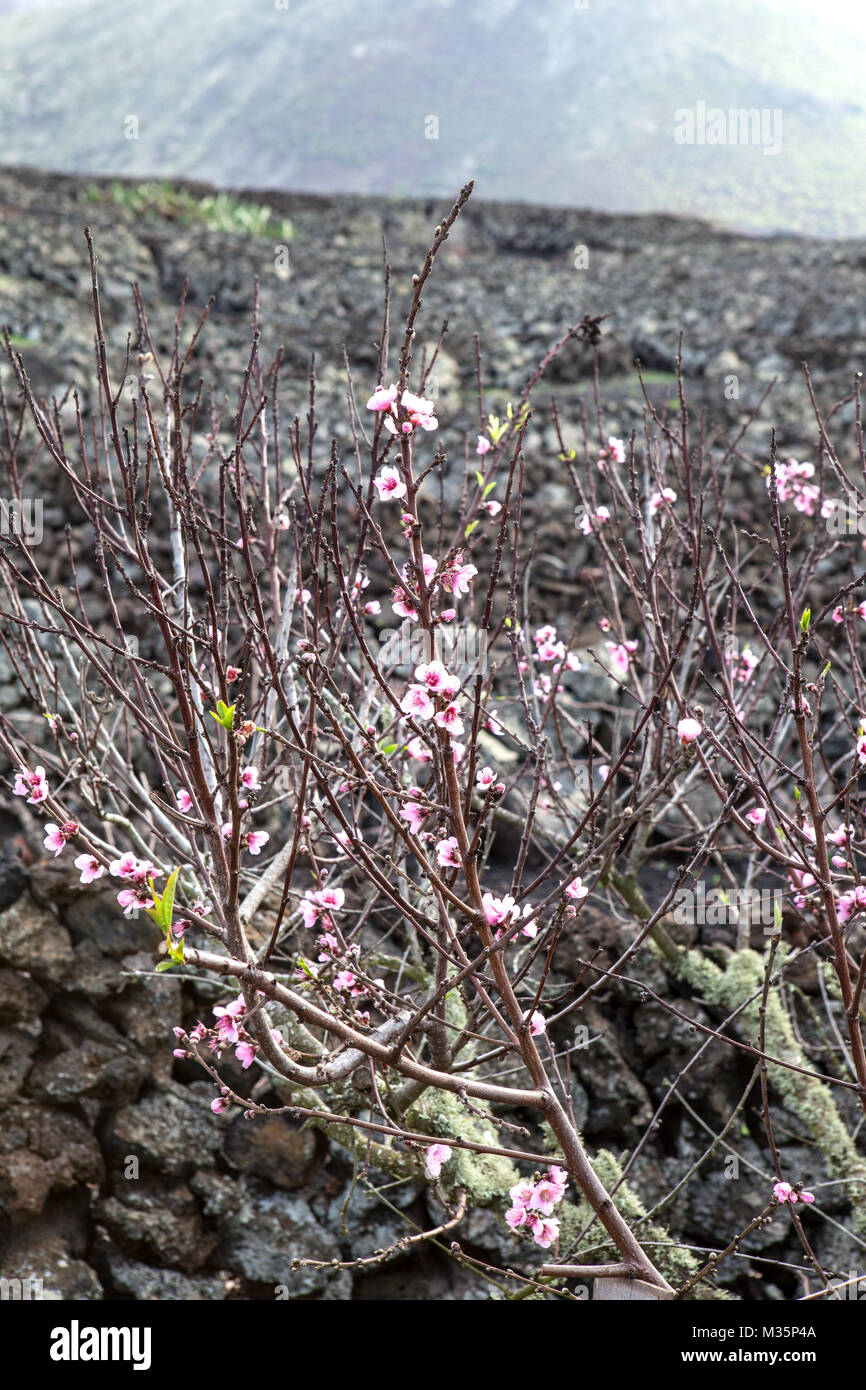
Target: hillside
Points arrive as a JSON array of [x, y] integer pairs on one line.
[[541, 101]]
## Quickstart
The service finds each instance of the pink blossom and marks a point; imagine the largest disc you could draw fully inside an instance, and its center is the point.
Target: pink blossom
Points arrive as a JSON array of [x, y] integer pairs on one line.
[[124, 867], [184, 801], [620, 655], [448, 615], [435, 677], [537, 1024], [837, 615], [546, 1232], [756, 816], [32, 785], [516, 1216], [232, 674], [344, 979], [372, 608], [807, 1197], [545, 1196], [245, 1052], [382, 398], [861, 748], [688, 730], [576, 889], [220, 1104], [498, 910], [483, 444], [615, 450], [659, 499], [436, 1155], [228, 1020], [448, 853], [417, 702], [550, 651], [91, 869], [449, 719], [456, 579], [486, 777], [412, 812], [131, 899], [402, 605], [250, 778], [57, 835], [416, 748], [521, 1193], [420, 411], [389, 484], [256, 839], [492, 507]]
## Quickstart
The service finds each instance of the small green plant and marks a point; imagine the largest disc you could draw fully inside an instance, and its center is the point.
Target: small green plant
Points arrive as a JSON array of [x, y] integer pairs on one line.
[[221, 211]]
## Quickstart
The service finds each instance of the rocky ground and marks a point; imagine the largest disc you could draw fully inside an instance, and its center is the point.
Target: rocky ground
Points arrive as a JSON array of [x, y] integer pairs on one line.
[[116, 1181]]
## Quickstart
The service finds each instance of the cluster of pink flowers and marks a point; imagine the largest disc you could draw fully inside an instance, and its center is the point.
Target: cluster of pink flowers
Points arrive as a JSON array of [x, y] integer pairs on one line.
[[455, 579], [784, 1192], [839, 617], [418, 410], [549, 650], [316, 906], [742, 663], [792, 487], [615, 450], [620, 656], [847, 903], [599, 516], [229, 1031], [666, 497], [139, 872], [533, 1204], [430, 698], [251, 840], [33, 785]]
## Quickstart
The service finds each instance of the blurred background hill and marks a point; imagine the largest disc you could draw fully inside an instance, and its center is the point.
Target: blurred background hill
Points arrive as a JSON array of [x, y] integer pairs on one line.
[[541, 101]]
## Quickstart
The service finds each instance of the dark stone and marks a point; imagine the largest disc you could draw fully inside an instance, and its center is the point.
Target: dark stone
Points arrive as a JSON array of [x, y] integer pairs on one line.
[[155, 1218], [271, 1147], [172, 1131], [32, 939], [43, 1150], [262, 1232]]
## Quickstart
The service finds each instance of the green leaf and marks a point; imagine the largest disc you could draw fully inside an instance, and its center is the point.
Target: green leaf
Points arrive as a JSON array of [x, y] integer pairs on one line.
[[479, 477], [162, 913], [804, 620], [165, 965], [388, 748], [826, 669], [469, 529], [489, 488], [306, 969], [225, 714]]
